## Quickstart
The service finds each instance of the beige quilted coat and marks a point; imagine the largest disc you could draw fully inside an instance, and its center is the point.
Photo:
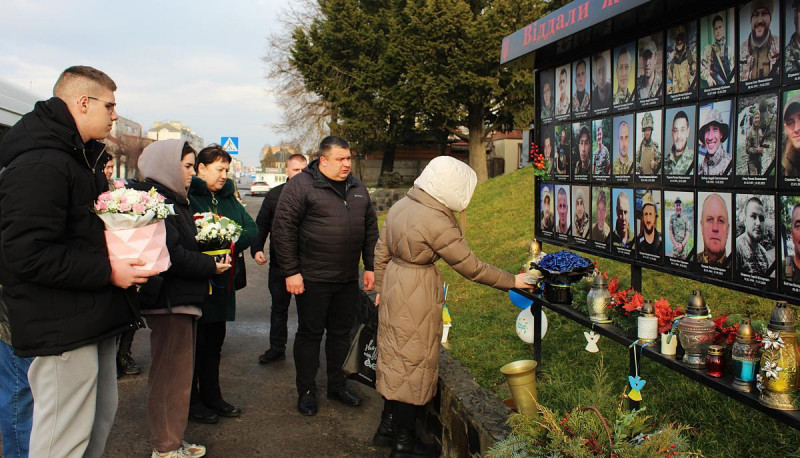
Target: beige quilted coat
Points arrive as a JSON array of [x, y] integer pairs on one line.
[[418, 231]]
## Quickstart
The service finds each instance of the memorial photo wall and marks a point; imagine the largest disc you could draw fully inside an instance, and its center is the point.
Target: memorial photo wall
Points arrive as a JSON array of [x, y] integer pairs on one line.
[[680, 148]]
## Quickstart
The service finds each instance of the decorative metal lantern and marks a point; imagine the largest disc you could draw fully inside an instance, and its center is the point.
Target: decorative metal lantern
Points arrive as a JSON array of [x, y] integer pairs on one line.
[[535, 254], [745, 357], [778, 376], [696, 331], [598, 299], [647, 323]]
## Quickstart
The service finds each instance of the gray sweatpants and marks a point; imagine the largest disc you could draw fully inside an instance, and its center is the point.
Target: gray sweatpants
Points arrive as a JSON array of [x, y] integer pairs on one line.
[[74, 401]]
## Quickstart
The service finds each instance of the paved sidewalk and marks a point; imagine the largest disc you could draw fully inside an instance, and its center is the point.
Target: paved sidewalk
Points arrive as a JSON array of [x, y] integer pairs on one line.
[[270, 425]]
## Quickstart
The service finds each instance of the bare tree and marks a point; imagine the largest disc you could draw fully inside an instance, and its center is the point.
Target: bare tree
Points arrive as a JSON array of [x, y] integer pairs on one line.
[[306, 118]]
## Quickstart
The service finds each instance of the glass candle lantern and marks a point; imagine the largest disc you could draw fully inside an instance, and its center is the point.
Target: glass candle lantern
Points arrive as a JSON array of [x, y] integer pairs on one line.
[[779, 360], [598, 299], [715, 363], [696, 331], [745, 357], [647, 323]]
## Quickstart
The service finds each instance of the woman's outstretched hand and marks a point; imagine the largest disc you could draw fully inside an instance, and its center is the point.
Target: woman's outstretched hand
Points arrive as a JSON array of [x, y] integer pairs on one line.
[[519, 281]]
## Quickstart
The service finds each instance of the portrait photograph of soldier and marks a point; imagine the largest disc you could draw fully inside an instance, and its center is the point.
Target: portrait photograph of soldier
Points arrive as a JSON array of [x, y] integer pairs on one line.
[[648, 146], [624, 133], [717, 55], [714, 165], [713, 238], [791, 32], [581, 92], [759, 44], [547, 101], [650, 70], [601, 83], [546, 209], [547, 146], [563, 214], [601, 150], [624, 76], [563, 78], [681, 50], [580, 213], [756, 140], [622, 234], [755, 241], [649, 238], [581, 151], [679, 228], [790, 159], [601, 217], [790, 244], [563, 151], [679, 144]]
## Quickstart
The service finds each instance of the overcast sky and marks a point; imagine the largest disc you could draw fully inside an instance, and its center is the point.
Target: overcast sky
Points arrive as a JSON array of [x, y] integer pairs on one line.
[[198, 62]]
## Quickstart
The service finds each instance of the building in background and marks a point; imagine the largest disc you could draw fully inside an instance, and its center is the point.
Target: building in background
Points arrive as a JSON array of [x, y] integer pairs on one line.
[[125, 143], [166, 130]]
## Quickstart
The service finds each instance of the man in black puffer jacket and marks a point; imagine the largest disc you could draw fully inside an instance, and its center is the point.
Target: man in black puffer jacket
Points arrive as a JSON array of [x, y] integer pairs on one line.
[[324, 225], [279, 312], [64, 297]]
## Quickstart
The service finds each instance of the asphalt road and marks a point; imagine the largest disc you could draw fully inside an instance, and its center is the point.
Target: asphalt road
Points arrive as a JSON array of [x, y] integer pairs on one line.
[[270, 425]]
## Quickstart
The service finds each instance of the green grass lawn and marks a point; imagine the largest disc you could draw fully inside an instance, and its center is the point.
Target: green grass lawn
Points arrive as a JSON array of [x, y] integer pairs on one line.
[[500, 223]]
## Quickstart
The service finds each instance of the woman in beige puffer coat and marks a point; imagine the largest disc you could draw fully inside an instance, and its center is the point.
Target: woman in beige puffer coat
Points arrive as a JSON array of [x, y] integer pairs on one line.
[[419, 230]]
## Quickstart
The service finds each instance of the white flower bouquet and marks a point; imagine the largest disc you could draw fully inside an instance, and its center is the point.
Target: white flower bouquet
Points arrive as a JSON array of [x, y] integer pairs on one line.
[[135, 228], [216, 232], [216, 235]]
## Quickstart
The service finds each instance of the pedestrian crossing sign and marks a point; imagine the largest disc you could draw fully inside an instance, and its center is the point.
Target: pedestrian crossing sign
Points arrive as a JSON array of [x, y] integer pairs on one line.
[[230, 144]]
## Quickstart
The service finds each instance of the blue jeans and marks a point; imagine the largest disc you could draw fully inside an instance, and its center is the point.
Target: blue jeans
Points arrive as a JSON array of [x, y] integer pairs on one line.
[[16, 403]]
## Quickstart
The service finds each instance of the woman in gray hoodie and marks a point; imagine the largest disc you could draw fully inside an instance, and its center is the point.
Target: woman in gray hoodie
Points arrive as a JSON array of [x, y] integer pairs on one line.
[[170, 302]]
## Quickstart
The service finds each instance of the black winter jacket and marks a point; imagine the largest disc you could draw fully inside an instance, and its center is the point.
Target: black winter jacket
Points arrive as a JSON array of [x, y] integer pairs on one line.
[[186, 280], [322, 234], [53, 258], [264, 220]]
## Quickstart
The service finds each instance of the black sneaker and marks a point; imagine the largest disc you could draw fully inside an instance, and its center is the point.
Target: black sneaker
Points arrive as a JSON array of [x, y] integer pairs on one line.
[[270, 356], [307, 404]]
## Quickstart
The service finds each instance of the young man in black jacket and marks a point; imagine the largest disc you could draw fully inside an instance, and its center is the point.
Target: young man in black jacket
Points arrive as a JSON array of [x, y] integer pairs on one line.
[[279, 313], [64, 297], [324, 225]]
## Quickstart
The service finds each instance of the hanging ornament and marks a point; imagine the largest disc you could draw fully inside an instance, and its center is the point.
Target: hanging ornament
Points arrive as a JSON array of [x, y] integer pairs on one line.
[[636, 386], [592, 339], [636, 382]]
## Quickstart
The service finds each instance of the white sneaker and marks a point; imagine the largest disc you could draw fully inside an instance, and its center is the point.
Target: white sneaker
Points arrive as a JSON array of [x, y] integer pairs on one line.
[[179, 453], [193, 450]]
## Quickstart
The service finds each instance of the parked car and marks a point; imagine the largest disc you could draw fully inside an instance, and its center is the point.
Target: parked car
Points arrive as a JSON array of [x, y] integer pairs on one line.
[[259, 188]]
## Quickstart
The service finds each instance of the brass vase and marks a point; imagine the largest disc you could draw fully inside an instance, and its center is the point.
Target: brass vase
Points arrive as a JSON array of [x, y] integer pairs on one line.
[[521, 378]]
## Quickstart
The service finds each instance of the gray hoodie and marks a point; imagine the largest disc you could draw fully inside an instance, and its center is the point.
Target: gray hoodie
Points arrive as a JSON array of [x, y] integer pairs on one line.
[[160, 162]]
